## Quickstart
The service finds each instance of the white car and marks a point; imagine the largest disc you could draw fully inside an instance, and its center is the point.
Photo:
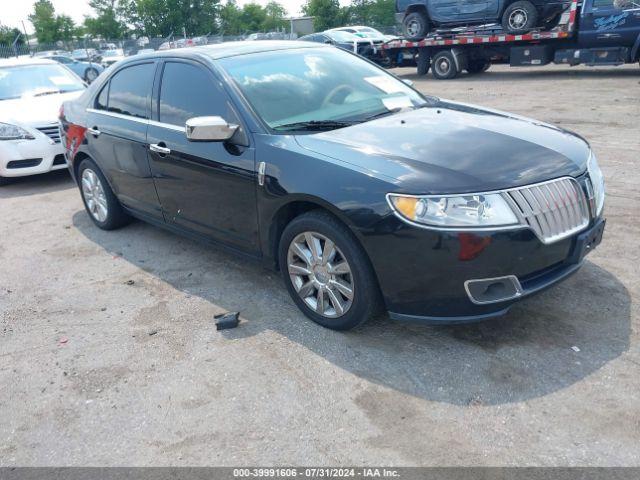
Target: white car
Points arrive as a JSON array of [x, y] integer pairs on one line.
[[31, 94], [109, 57], [369, 33]]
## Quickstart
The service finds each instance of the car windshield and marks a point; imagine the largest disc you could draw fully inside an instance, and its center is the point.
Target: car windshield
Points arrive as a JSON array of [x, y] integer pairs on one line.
[[112, 53], [342, 37], [36, 80], [317, 86], [369, 33]]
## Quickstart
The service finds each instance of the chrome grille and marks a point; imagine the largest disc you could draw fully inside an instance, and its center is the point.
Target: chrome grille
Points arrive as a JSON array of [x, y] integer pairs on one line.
[[52, 132], [554, 210]]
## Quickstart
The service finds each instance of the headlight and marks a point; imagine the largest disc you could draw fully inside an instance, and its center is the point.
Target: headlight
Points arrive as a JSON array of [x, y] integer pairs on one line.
[[459, 211], [597, 180], [13, 132]]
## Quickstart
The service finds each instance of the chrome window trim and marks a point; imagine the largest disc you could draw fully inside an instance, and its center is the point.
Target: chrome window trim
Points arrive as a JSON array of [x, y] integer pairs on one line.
[[504, 193], [118, 115], [168, 126]]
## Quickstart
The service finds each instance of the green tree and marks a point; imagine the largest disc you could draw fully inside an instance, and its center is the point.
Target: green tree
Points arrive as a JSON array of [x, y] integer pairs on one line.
[[162, 17], [45, 22], [327, 13], [108, 22], [276, 16], [8, 35], [230, 23], [67, 29], [252, 17], [371, 12]]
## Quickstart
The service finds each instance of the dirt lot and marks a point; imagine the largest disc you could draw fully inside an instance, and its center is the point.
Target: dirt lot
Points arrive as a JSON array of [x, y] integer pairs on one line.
[[109, 354]]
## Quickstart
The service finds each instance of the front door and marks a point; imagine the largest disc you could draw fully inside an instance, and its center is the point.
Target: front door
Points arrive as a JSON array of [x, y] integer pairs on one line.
[[610, 23], [473, 10], [205, 187]]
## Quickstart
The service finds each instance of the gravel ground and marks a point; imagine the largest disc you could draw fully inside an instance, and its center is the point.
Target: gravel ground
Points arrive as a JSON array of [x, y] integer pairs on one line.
[[109, 353]]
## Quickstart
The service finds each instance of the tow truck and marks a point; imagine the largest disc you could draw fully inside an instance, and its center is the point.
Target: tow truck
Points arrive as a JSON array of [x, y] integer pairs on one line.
[[589, 32]]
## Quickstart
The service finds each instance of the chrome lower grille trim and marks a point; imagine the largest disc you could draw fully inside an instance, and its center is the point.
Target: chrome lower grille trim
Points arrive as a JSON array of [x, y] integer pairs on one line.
[[51, 131], [554, 210]]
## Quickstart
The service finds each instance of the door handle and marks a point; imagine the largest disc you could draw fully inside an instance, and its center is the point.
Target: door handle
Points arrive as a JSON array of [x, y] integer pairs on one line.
[[154, 147], [94, 131]]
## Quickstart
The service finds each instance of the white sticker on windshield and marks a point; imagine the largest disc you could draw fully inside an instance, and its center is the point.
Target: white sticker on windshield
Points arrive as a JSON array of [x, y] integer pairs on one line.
[[386, 84], [397, 103], [60, 80]]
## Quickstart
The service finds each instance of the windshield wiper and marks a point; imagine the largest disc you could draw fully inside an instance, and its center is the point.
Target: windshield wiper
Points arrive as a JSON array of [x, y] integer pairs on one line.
[[393, 111], [314, 125], [48, 92]]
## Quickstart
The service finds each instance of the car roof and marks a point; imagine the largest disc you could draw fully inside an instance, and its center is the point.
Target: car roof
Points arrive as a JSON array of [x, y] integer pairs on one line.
[[232, 49], [22, 61], [352, 27]]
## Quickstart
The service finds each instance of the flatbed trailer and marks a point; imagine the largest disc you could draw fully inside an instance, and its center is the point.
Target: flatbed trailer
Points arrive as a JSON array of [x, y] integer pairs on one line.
[[591, 32]]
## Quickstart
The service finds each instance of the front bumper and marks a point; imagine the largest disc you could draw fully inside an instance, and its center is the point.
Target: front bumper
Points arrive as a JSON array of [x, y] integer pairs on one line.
[[422, 273], [21, 158]]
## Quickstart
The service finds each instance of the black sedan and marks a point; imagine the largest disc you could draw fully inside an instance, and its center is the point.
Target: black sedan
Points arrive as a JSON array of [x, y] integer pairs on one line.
[[364, 193]]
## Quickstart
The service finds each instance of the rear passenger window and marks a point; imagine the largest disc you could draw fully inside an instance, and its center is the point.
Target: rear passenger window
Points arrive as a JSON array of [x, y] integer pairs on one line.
[[130, 91], [102, 100], [188, 91]]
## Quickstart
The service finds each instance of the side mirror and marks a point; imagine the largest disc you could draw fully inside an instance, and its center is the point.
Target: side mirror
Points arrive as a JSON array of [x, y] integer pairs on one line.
[[406, 81], [209, 129]]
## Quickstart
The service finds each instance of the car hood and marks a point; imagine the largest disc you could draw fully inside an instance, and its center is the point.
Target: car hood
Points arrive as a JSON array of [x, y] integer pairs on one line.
[[33, 111], [455, 148]]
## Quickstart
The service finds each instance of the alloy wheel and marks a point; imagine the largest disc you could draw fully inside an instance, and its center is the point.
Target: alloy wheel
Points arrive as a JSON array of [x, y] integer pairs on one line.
[[414, 28], [94, 196], [92, 74], [320, 274], [518, 19]]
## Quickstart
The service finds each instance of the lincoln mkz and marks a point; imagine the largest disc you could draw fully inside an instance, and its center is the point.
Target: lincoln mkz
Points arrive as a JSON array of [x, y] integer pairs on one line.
[[367, 195]]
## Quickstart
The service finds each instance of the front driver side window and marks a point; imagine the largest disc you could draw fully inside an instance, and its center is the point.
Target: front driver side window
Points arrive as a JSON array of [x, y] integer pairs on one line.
[[188, 91]]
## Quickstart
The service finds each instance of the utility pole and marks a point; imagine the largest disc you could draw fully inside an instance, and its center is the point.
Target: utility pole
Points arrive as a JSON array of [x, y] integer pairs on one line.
[[14, 44], [27, 37]]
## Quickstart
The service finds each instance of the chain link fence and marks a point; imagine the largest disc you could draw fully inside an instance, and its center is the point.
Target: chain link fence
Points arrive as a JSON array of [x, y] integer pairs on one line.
[[93, 47], [129, 46]]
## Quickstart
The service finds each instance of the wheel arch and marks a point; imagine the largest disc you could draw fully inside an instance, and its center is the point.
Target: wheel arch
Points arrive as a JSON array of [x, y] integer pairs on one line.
[[417, 8], [299, 205]]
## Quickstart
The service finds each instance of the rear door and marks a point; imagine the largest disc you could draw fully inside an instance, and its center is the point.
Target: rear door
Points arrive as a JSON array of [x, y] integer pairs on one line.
[[119, 120], [206, 187], [610, 23]]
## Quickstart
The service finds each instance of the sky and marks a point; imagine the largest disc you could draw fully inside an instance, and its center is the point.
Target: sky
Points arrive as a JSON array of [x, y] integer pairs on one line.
[[13, 12]]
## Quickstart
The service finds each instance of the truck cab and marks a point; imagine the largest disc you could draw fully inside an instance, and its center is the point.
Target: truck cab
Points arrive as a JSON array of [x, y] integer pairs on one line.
[[610, 23]]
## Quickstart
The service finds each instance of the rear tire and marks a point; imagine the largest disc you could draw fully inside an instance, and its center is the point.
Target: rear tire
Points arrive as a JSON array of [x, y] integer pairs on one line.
[[424, 64], [443, 65], [520, 17], [315, 292], [101, 204], [416, 26]]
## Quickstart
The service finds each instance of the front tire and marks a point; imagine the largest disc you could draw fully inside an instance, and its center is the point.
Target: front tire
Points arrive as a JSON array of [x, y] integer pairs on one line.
[[101, 204], [520, 17], [416, 26], [327, 273]]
